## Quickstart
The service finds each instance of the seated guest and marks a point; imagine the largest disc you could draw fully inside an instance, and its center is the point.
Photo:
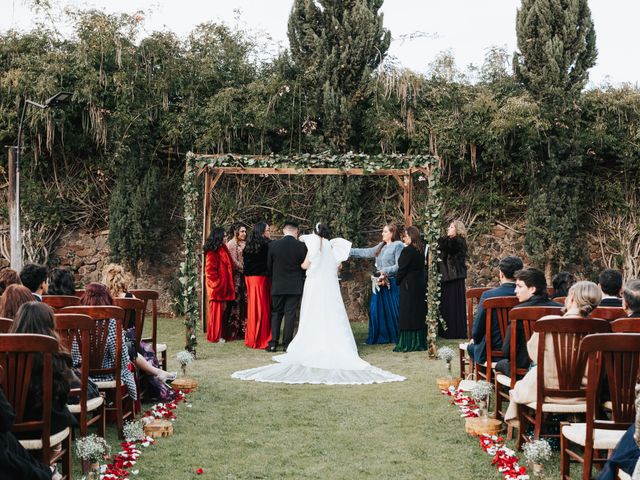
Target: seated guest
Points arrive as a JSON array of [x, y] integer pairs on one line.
[[8, 277], [36, 317], [531, 290], [61, 282], [13, 298], [477, 349], [34, 277], [562, 282], [97, 294], [117, 281], [582, 299], [631, 298], [15, 460], [610, 283]]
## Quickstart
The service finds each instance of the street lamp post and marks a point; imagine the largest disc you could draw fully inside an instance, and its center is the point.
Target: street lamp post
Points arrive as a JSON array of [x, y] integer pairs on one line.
[[15, 232]]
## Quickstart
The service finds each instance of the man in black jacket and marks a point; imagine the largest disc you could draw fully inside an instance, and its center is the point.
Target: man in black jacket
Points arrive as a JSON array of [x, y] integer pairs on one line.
[[284, 262], [531, 290], [610, 283]]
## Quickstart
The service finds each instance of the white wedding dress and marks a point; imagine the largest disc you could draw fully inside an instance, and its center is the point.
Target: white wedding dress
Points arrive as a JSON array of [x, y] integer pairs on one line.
[[324, 350]]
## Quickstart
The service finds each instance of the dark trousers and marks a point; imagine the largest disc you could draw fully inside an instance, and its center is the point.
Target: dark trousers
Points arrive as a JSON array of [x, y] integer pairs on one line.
[[287, 306]]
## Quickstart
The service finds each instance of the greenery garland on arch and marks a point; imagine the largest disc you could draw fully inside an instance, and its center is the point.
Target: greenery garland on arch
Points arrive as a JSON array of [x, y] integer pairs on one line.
[[429, 216]]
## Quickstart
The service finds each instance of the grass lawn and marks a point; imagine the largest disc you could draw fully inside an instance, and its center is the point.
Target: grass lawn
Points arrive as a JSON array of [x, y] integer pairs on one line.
[[249, 430]]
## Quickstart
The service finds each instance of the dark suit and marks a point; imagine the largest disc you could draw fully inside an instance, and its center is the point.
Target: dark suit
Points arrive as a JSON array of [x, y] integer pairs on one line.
[[611, 302], [478, 349], [287, 281], [522, 356]]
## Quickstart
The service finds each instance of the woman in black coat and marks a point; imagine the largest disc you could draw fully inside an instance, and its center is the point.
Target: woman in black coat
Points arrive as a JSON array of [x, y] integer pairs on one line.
[[453, 268], [412, 282]]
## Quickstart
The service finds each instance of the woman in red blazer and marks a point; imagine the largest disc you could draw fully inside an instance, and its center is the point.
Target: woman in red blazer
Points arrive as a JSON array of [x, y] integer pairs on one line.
[[219, 276]]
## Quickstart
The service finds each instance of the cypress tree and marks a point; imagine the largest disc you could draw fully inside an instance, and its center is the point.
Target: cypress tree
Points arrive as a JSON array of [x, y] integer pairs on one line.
[[556, 42], [336, 45]]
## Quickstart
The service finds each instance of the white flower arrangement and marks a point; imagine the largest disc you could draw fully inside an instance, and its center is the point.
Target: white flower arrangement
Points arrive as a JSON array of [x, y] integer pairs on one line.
[[537, 451], [446, 354], [133, 431], [481, 391], [92, 448], [184, 358]]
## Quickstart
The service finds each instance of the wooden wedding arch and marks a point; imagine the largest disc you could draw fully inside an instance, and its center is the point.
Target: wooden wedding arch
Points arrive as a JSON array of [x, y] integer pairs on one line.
[[211, 168]]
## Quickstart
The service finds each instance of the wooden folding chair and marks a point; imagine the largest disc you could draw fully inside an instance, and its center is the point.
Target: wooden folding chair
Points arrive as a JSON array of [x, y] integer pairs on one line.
[[500, 306], [60, 301], [608, 313], [565, 333], [619, 355], [75, 332], [152, 296], [521, 322], [473, 299], [5, 324], [108, 317], [134, 313], [18, 354], [626, 325]]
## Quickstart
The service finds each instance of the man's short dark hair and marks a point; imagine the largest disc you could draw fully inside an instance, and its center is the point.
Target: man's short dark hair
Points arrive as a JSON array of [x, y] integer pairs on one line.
[[610, 282], [291, 223], [510, 265], [631, 295], [532, 277], [33, 275]]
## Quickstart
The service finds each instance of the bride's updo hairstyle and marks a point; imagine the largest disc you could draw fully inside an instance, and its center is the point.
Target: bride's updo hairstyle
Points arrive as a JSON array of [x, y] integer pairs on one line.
[[322, 230]]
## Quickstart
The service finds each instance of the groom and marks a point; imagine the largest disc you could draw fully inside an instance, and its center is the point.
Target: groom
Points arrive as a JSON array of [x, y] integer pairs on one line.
[[287, 281]]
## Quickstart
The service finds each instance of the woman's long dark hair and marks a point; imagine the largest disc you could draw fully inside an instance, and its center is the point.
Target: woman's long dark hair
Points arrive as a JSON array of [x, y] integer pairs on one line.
[[257, 238], [215, 239], [322, 230], [61, 282], [416, 241]]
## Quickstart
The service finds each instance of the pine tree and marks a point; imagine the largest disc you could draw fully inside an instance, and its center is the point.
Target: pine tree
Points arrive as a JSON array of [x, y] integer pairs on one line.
[[336, 45], [556, 41]]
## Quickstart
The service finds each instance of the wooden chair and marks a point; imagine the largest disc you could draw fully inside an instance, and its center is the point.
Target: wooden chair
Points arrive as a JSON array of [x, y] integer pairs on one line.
[[608, 313], [75, 332], [560, 300], [152, 296], [521, 322], [618, 354], [473, 299], [5, 324], [18, 352], [566, 333], [80, 292], [500, 306], [133, 308], [115, 390], [60, 301], [626, 325]]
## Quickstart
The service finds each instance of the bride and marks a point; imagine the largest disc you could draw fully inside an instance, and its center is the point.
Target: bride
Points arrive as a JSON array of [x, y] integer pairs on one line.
[[323, 350]]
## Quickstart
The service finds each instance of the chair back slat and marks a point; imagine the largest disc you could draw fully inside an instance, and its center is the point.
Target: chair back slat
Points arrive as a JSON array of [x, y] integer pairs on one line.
[[60, 301], [5, 324], [618, 354], [19, 354], [570, 360], [133, 308], [473, 299], [608, 313], [626, 325], [522, 321]]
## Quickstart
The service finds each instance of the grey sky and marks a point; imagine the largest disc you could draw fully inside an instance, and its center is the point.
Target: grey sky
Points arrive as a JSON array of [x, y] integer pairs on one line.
[[465, 27]]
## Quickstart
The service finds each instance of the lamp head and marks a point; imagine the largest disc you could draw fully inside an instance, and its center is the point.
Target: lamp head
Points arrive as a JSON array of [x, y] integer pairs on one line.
[[58, 98]]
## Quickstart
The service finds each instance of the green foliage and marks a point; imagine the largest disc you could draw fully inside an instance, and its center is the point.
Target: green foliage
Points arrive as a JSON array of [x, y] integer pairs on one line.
[[336, 45], [135, 215]]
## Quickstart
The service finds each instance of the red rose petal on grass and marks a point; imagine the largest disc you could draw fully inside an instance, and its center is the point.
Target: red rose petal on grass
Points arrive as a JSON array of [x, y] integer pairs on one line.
[[199, 471]]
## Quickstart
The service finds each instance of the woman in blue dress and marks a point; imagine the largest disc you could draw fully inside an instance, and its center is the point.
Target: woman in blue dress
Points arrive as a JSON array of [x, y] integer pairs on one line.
[[383, 309]]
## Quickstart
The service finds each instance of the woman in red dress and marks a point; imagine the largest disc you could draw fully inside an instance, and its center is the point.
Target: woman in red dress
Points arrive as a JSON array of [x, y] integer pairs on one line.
[[258, 331], [219, 281]]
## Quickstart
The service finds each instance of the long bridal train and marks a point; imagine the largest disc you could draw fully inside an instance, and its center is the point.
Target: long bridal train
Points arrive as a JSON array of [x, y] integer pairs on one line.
[[324, 350]]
